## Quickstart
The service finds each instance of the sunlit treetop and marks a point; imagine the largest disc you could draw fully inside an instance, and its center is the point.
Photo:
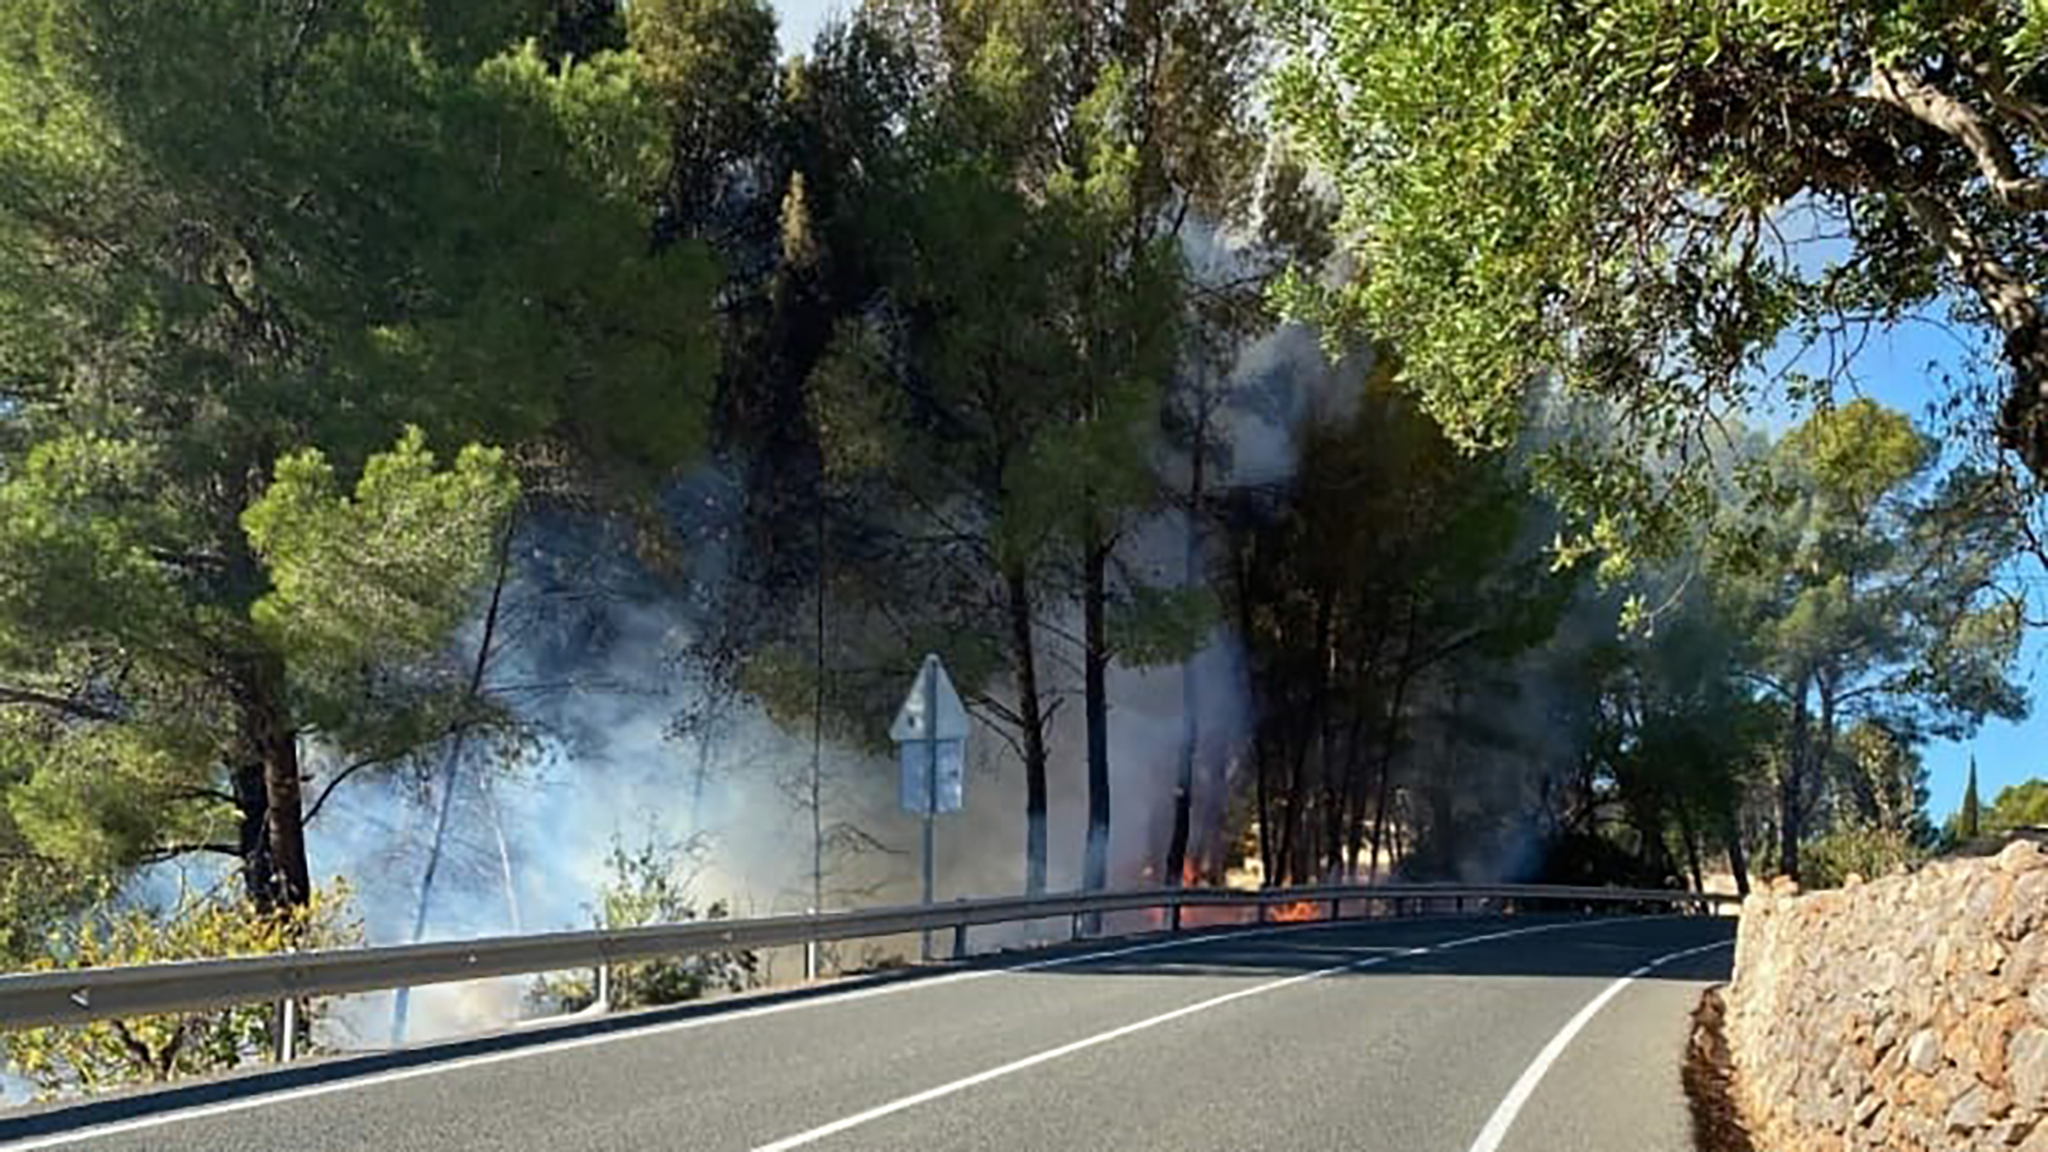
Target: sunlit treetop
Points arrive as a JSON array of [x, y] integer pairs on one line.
[[1654, 205]]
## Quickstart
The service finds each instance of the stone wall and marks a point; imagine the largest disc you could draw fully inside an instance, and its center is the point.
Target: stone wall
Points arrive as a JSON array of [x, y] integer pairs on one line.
[[1909, 1013]]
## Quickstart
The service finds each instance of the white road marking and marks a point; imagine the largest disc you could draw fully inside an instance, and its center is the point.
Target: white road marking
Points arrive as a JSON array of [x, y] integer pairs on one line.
[[397, 1075], [1050, 1054], [1503, 1118]]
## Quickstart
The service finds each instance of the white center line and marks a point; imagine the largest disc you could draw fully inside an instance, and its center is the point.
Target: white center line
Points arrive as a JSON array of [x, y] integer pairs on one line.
[[930, 1094], [1503, 1117], [628, 1033]]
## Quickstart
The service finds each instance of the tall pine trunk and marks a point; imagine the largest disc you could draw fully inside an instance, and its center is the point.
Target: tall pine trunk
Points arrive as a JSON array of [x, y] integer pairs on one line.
[[451, 768], [1738, 858], [1690, 835], [271, 747], [1031, 715], [1190, 684], [1262, 785], [1095, 638], [252, 840], [1792, 784]]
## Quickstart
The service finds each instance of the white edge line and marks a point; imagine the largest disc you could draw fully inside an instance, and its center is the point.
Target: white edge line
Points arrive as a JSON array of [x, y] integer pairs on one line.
[[627, 1032], [1511, 1105], [900, 1104]]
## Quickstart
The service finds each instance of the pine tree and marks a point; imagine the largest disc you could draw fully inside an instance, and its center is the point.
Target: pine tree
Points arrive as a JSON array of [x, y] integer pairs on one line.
[[1971, 808]]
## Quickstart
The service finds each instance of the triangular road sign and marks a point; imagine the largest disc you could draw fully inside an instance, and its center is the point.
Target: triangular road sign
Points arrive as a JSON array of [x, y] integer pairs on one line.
[[932, 684]]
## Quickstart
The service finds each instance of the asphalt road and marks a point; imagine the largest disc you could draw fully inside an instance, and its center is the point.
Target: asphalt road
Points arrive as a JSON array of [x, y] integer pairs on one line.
[[1467, 1035]]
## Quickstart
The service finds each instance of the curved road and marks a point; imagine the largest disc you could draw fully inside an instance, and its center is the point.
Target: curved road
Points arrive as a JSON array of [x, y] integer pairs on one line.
[[1447, 1035]]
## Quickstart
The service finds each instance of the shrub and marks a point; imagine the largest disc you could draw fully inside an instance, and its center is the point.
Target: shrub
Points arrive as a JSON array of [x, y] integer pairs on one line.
[[67, 1059], [649, 885]]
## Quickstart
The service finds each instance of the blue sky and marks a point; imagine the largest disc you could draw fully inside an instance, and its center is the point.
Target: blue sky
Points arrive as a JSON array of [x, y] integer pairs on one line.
[[801, 20], [1900, 368]]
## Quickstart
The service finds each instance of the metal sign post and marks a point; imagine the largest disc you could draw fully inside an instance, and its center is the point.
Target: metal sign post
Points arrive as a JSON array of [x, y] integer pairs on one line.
[[931, 795], [931, 737]]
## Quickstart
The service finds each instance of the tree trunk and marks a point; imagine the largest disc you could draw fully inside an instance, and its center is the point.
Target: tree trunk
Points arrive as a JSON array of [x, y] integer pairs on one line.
[[1294, 831], [273, 743], [401, 1002], [1330, 831], [1095, 624], [1690, 836], [1389, 738], [817, 780], [1031, 712], [252, 804], [506, 877], [1262, 784], [451, 767], [1342, 821], [1190, 686], [1792, 784], [1738, 859]]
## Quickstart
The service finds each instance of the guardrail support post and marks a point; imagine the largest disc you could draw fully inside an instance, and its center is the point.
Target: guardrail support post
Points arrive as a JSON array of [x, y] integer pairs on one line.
[[960, 940], [1076, 930], [604, 985], [1262, 911], [1336, 909], [1173, 917], [287, 1029]]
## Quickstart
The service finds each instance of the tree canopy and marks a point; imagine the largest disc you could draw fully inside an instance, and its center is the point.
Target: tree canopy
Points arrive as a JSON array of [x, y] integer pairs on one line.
[[1658, 204]]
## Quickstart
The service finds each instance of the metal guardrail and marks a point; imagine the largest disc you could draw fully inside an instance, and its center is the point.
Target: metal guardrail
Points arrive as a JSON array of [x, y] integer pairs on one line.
[[79, 995]]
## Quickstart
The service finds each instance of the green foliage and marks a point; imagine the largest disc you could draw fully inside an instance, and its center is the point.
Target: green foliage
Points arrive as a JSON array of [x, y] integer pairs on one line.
[[1162, 625], [381, 576], [1859, 569], [2023, 805], [649, 885], [1864, 591], [1867, 852], [64, 1060], [1591, 202], [278, 243], [712, 64]]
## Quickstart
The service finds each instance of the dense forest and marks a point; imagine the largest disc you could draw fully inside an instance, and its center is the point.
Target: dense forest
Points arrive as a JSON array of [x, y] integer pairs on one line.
[[1321, 441]]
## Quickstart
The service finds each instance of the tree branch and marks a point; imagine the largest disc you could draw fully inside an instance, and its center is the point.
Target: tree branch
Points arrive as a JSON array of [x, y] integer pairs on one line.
[[344, 774], [1952, 117], [2023, 424], [173, 851], [69, 707], [1999, 90]]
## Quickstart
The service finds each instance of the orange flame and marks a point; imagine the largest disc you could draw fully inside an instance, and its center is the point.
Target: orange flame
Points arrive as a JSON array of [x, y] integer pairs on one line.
[[1297, 911]]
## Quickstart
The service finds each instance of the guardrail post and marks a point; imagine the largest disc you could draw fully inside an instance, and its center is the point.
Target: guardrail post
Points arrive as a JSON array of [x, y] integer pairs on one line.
[[1173, 916], [1335, 908], [811, 950], [604, 984], [1075, 933], [960, 940], [287, 1029], [1262, 911]]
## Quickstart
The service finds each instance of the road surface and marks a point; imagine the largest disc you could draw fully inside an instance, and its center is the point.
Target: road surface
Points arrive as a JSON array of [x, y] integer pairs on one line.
[[1448, 1035]]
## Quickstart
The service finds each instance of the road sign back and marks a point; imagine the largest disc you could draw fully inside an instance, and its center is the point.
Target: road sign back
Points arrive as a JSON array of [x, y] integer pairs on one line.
[[932, 686]]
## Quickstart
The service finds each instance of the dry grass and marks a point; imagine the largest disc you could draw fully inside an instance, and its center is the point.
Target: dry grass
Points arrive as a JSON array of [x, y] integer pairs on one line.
[[1709, 1074]]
